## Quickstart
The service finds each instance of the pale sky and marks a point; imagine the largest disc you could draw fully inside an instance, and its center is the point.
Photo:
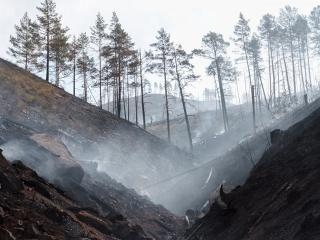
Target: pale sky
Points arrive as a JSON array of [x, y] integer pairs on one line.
[[187, 21]]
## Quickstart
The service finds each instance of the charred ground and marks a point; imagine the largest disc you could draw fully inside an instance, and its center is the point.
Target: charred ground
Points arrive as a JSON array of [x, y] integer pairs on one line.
[[281, 198]]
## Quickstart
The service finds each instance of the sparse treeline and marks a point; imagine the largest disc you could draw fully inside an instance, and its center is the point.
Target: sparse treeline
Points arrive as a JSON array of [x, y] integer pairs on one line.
[[276, 60], [288, 41]]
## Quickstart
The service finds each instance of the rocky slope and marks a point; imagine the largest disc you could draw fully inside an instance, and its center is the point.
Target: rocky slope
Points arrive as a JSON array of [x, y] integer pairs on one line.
[[30, 208], [281, 198]]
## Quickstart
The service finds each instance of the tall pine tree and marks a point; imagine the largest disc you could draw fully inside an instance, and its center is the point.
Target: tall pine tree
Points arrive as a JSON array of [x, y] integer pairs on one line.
[[214, 48], [161, 56], [47, 22], [25, 44], [98, 38], [60, 51], [85, 63]]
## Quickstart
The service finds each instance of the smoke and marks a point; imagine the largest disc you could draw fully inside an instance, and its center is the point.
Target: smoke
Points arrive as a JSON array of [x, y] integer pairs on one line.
[[34, 158], [157, 170]]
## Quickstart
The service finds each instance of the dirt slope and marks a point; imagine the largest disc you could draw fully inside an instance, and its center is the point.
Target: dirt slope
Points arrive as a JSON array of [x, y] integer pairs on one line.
[[35, 103], [281, 198], [66, 141], [126, 152]]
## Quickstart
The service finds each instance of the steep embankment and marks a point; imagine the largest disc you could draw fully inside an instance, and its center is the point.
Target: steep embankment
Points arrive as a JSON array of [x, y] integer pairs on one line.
[[90, 188], [124, 151], [281, 198], [30, 208], [66, 141]]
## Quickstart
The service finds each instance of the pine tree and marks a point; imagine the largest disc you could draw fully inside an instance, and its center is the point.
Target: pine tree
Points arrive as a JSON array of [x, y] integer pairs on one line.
[[254, 52], [142, 86], [242, 33], [161, 57], [287, 19], [122, 47], [47, 22], [85, 64], [73, 56], [183, 73], [98, 38], [301, 30], [315, 28], [281, 38], [267, 31], [133, 73], [107, 69], [60, 51], [25, 44], [214, 48]]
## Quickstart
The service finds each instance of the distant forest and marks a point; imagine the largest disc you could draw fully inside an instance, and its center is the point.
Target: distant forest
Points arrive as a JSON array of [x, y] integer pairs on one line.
[[276, 58]]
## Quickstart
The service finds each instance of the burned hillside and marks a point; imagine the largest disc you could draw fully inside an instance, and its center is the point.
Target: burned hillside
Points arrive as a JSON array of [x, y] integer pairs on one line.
[[81, 184], [280, 199], [159, 120], [123, 150]]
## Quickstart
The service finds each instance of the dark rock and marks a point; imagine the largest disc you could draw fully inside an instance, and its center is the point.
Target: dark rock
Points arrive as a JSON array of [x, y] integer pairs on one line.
[[275, 135]]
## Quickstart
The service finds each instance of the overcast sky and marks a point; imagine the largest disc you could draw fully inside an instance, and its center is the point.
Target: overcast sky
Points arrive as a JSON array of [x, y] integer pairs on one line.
[[186, 20]]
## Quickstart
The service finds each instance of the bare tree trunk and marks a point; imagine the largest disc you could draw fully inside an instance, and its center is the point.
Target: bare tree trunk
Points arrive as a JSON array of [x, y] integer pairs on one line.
[[273, 76], [301, 70], [284, 89], [223, 102], [278, 78], [247, 61], [305, 66], [308, 57], [253, 109], [142, 95], [48, 54], [108, 94], [26, 62], [183, 104], [136, 98], [74, 75], [114, 96], [166, 96], [119, 88], [262, 87], [100, 76], [85, 86], [293, 69], [218, 98], [270, 76], [124, 101], [286, 70], [57, 83], [128, 93]]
